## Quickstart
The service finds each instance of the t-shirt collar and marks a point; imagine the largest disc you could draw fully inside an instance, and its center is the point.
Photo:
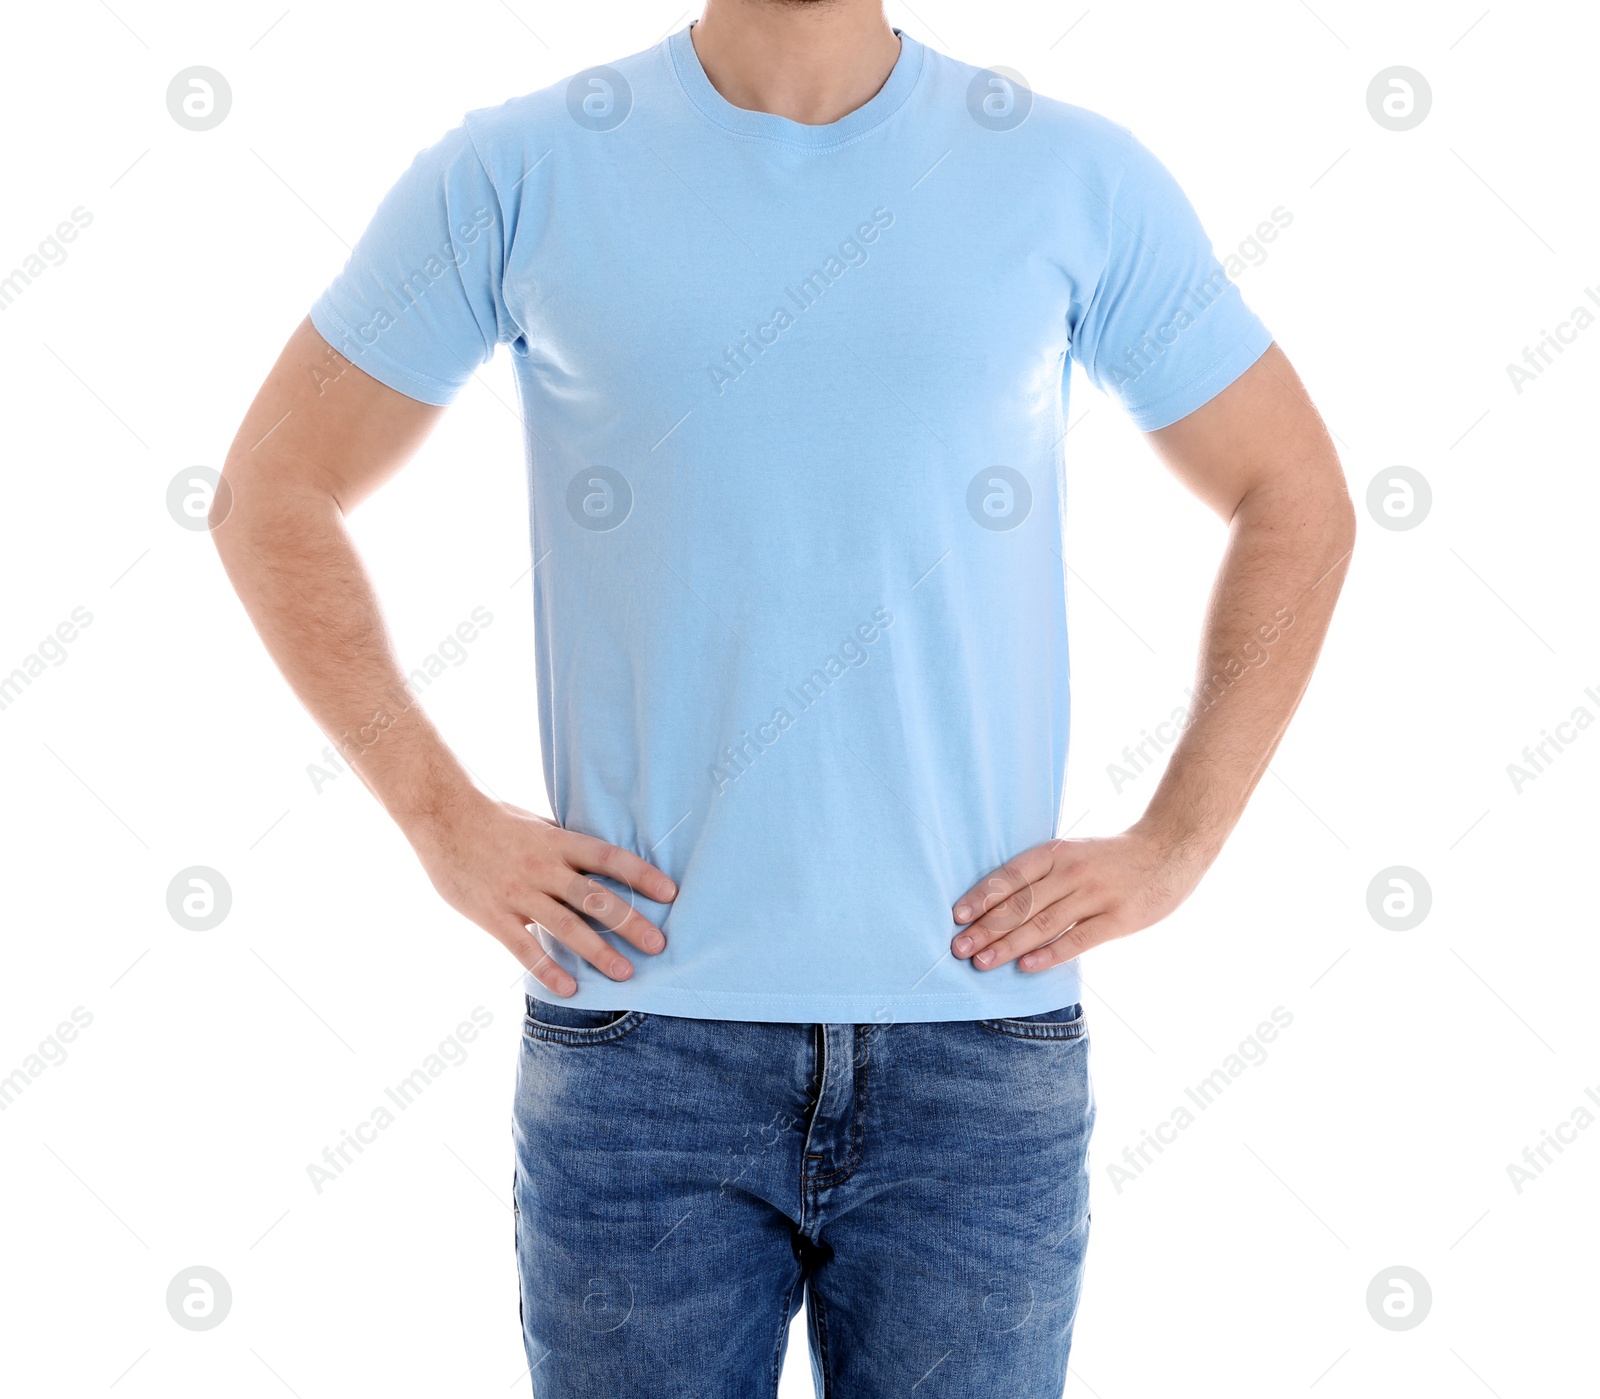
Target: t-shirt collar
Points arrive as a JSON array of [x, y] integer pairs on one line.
[[769, 126]]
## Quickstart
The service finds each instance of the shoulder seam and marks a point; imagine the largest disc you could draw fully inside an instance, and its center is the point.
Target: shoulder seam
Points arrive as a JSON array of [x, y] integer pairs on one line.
[[500, 205], [477, 155], [1125, 138]]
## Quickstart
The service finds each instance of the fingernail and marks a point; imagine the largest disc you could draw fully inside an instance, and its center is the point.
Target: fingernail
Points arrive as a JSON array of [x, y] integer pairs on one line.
[[1027, 964], [620, 970], [655, 943], [963, 946], [962, 913], [984, 958]]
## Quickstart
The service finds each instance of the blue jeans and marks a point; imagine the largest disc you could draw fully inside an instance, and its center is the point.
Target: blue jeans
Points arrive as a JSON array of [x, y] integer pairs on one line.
[[679, 1182]]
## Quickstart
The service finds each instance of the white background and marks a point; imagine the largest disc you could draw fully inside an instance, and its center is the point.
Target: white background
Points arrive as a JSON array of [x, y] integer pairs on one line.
[[219, 1064]]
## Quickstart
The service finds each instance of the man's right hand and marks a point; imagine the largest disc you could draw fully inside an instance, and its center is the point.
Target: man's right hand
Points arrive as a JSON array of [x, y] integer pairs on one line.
[[321, 436], [505, 868]]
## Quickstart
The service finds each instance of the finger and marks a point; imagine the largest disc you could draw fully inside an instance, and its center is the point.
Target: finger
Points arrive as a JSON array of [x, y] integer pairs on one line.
[[1044, 926], [1078, 939], [572, 932], [594, 900], [598, 857], [1011, 912], [528, 950], [1004, 883], [972, 940]]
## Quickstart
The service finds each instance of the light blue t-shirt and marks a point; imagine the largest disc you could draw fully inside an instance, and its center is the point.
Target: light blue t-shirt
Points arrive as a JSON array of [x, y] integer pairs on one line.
[[794, 401]]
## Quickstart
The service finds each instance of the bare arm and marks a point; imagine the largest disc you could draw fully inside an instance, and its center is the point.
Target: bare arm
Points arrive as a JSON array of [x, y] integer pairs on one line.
[[1259, 456], [320, 437]]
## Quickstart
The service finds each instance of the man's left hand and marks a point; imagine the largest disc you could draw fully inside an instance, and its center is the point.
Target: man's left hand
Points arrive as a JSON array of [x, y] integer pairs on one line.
[[1063, 897]]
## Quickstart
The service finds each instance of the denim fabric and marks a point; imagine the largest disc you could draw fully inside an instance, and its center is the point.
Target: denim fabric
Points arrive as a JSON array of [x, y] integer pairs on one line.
[[681, 1184]]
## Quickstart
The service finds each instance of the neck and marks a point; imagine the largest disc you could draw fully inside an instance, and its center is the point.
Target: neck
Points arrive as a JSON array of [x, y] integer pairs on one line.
[[813, 61]]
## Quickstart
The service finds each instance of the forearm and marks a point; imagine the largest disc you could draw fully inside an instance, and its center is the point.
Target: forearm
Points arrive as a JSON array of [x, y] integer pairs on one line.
[[291, 559], [1287, 555], [320, 437]]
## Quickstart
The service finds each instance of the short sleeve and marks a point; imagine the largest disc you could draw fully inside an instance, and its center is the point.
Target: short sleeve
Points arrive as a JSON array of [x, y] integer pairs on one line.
[[419, 305], [1164, 329]]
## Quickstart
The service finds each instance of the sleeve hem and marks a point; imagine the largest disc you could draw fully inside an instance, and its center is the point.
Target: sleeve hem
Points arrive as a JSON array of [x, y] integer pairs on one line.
[[1201, 389], [334, 329]]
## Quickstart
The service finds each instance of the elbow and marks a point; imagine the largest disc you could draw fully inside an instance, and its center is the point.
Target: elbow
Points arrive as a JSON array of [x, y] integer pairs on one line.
[[1308, 509], [1337, 532], [1342, 507], [221, 507], [1342, 516], [223, 522]]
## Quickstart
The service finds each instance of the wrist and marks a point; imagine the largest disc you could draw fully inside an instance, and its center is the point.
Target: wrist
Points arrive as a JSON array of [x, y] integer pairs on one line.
[[430, 807], [1187, 844]]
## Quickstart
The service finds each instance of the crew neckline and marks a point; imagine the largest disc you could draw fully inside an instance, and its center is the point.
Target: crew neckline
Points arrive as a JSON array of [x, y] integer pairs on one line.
[[716, 108]]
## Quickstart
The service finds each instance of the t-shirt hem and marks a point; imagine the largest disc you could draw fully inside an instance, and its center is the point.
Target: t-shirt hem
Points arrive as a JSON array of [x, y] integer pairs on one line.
[[337, 332], [1180, 402], [830, 1008]]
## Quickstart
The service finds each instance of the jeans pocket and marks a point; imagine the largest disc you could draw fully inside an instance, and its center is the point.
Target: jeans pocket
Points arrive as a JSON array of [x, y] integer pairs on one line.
[[553, 1023], [1067, 1023]]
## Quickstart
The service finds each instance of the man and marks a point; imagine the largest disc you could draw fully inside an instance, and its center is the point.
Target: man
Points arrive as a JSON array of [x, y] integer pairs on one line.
[[792, 301]]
